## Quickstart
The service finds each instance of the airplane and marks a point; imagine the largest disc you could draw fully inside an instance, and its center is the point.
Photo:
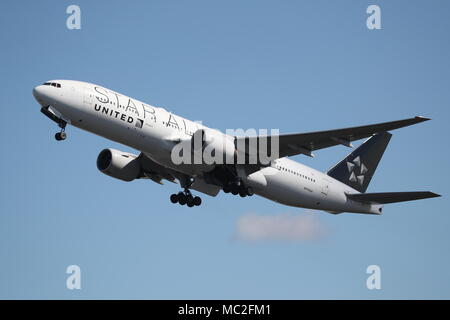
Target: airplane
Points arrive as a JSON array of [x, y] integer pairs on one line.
[[156, 132]]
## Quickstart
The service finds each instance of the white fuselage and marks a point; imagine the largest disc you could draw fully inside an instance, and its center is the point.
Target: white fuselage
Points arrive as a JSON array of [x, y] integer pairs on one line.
[[147, 128]]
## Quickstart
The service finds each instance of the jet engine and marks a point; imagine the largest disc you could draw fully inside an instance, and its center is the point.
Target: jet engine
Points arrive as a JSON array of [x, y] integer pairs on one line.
[[120, 165]]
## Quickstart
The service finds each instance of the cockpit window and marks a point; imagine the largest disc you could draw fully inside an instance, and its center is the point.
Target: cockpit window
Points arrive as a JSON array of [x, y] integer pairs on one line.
[[53, 84]]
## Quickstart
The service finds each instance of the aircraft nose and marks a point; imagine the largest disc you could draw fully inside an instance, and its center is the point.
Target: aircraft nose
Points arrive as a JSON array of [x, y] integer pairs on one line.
[[39, 94], [37, 91]]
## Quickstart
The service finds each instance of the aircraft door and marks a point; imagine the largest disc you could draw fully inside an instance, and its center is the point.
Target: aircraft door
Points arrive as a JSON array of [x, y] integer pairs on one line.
[[88, 98]]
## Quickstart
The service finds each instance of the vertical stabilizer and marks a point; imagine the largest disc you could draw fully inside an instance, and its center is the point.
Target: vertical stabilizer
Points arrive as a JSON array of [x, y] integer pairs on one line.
[[357, 169]]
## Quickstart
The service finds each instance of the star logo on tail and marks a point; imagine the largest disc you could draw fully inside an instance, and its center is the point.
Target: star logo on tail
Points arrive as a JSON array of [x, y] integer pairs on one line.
[[357, 169]]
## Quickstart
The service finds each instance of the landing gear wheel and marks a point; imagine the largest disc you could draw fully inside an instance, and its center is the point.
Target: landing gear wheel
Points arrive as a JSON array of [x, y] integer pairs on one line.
[[185, 197], [226, 189], [243, 193], [234, 189], [197, 201], [182, 198], [60, 136], [174, 198], [190, 201], [249, 191]]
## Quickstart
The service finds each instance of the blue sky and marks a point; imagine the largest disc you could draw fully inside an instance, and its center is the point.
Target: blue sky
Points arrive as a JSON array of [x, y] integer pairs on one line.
[[294, 65]]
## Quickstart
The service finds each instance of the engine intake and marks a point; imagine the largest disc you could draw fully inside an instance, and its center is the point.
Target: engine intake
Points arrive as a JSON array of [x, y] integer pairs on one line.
[[120, 165]]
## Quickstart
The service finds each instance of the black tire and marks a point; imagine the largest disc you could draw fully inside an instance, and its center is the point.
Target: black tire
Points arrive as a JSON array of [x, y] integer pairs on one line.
[[182, 198], [249, 191], [60, 136], [243, 193], [190, 201], [174, 198], [197, 201], [226, 189]]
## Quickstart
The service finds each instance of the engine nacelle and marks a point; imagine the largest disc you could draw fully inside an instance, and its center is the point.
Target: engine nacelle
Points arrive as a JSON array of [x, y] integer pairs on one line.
[[120, 165], [213, 146]]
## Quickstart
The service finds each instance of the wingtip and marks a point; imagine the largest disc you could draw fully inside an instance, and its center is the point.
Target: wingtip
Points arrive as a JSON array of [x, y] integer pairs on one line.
[[420, 118], [435, 195], [431, 194]]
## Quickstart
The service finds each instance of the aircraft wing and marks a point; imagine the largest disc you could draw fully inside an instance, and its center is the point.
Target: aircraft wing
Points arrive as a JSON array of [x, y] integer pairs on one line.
[[305, 143], [157, 173]]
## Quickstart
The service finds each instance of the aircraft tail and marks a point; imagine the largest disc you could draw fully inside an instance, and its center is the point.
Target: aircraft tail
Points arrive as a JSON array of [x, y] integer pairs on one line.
[[356, 169]]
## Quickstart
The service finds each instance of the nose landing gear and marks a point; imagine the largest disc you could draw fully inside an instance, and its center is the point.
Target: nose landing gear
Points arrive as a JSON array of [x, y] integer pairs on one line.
[[59, 136]]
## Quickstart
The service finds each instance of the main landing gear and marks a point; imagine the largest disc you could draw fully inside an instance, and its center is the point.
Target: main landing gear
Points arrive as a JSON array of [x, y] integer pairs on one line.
[[238, 188], [185, 198]]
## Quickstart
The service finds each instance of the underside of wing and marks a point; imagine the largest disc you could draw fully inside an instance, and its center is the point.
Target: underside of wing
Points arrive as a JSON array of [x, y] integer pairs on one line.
[[157, 173]]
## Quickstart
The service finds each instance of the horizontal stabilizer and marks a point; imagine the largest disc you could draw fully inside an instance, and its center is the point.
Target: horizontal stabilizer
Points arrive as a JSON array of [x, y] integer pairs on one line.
[[391, 197]]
